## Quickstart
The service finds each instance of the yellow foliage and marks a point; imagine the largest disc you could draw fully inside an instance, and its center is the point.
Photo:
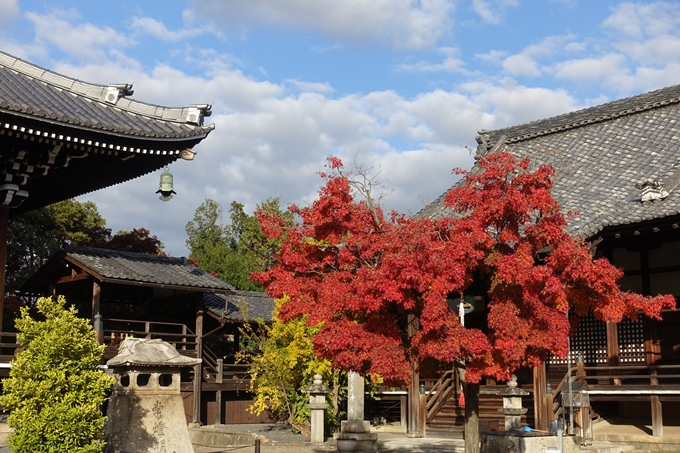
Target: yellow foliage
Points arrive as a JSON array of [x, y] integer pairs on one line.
[[282, 363]]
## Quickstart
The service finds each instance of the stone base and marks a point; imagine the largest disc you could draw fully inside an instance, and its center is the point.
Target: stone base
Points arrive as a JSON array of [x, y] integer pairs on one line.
[[146, 423], [365, 441], [521, 442], [355, 426], [361, 431]]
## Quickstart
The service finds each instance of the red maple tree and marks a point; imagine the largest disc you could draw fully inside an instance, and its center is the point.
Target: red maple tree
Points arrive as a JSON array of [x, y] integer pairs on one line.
[[360, 272]]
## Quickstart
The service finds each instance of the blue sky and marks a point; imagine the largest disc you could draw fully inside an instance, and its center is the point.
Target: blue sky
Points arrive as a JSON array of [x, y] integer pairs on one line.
[[399, 85]]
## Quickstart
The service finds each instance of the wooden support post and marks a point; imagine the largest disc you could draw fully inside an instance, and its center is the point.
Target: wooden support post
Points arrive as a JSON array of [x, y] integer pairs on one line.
[[198, 369], [4, 219], [657, 417], [549, 407], [218, 393], [423, 414], [96, 299], [414, 388], [613, 347], [147, 330], [541, 417], [403, 406]]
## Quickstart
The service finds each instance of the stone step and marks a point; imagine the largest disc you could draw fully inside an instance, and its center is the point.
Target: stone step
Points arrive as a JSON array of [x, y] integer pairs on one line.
[[439, 445], [608, 447]]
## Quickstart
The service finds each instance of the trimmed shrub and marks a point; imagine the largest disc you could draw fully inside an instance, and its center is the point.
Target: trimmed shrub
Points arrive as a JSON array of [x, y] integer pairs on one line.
[[55, 391]]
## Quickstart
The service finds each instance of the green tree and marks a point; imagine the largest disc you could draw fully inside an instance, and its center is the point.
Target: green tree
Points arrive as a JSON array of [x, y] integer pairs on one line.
[[55, 391], [80, 222], [235, 250]]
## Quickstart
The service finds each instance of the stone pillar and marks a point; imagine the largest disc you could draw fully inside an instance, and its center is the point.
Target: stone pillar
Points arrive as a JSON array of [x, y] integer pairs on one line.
[[355, 397], [355, 427], [512, 405], [317, 404]]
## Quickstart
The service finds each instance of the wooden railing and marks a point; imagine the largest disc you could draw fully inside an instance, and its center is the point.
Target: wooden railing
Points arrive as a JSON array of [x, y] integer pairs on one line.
[[652, 383], [439, 394], [178, 335], [8, 346], [215, 370], [181, 337]]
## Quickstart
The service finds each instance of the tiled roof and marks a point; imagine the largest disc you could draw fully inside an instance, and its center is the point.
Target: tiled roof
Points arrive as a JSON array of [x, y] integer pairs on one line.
[[602, 155], [31, 91], [139, 267], [255, 304]]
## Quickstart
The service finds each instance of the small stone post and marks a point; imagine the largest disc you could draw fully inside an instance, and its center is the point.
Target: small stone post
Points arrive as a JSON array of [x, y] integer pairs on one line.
[[317, 404], [512, 405]]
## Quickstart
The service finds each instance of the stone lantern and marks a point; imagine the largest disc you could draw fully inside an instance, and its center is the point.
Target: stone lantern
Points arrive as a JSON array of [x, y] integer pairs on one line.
[[512, 405], [317, 404], [146, 412]]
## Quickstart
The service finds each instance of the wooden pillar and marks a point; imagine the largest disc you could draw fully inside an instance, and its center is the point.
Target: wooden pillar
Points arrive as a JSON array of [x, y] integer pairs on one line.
[[657, 417], [414, 388], [198, 369], [96, 298], [218, 394], [541, 416], [403, 408], [613, 347], [4, 219]]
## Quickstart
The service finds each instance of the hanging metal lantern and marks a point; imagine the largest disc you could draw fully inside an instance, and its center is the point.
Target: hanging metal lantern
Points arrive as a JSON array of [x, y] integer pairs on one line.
[[166, 188]]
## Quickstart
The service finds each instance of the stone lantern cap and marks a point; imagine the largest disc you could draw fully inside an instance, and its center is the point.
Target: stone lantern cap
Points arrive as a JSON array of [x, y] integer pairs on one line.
[[144, 352], [512, 389], [317, 387]]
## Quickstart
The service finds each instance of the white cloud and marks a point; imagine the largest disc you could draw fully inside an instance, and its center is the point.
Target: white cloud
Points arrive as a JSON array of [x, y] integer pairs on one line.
[[451, 63], [592, 69], [526, 62], [85, 41], [271, 142], [9, 9], [521, 65], [493, 56], [492, 11], [310, 87], [643, 20], [401, 24], [151, 26]]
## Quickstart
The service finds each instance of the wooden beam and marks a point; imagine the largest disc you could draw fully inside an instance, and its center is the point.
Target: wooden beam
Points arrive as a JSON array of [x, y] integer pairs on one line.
[[198, 369], [657, 417], [96, 299], [414, 388], [72, 278], [541, 416], [613, 346], [218, 393], [4, 219]]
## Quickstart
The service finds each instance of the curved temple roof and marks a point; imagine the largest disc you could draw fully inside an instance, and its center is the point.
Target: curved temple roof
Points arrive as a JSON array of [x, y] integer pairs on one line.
[[61, 137], [29, 90], [617, 164]]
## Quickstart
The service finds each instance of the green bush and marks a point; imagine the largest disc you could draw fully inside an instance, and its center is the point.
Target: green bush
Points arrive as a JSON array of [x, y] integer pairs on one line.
[[55, 391]]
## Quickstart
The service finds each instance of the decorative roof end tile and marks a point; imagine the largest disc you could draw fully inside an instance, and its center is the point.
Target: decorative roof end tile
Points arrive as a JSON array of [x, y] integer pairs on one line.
[[651, 191], [116, 91], [197, 112]]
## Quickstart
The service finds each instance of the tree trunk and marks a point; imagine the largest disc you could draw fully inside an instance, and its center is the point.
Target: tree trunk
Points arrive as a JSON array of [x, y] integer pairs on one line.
[[471, 417]]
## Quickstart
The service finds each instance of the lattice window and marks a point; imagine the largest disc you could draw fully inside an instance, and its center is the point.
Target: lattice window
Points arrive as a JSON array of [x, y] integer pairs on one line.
[[590, 340], [631, 341]]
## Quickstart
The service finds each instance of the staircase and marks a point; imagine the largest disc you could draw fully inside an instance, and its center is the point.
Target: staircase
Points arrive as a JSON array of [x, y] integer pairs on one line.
[[445, 415]]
